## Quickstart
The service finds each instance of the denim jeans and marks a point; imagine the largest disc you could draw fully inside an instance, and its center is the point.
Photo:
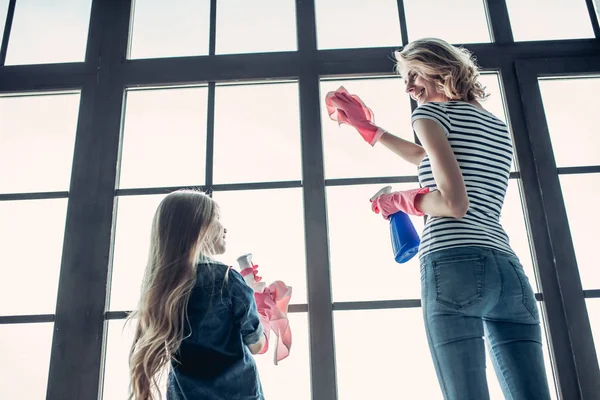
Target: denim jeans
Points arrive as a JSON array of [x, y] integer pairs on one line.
[[471, 292]]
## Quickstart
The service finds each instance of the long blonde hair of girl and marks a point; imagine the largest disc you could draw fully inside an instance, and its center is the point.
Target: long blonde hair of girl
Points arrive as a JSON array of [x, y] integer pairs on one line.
[[182, 229]]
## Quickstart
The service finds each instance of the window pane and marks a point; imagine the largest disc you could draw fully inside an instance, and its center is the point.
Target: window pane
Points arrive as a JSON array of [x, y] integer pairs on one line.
[[547, 20], [397, 361], [25, 350], [28, 284], [131, 247], [564, 114], [495, 102], [3, 12], [292, 372], [245, 27], [346, 26], [257, 133], [164, 138], [170, 29], [359, 240], [513, 222], [577, 191], [276, 380], [593, 309], [35, 39], [346, 153], [270, 225], [36, 142], [116, 366], [459, 21]]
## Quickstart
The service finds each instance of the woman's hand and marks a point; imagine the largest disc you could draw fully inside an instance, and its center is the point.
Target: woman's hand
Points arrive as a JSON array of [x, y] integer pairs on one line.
[[350, 109], [391, 203]]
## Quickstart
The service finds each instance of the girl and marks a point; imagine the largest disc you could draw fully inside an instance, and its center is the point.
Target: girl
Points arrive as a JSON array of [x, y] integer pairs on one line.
[[472, 283], [195, 315]]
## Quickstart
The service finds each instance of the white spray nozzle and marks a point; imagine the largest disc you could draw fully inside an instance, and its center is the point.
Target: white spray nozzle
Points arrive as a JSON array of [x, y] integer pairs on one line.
[[245, 261], [383, 190]]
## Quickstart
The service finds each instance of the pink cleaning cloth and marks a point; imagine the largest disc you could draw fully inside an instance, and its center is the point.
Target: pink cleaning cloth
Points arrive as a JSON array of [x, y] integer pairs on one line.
[[346, 108], [272, 304]]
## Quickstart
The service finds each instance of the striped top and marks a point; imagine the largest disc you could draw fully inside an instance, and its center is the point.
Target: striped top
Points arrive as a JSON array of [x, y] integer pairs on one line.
[[482, 146]]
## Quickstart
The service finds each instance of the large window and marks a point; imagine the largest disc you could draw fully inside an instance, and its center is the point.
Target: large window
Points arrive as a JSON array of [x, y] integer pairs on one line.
[[108, 106]]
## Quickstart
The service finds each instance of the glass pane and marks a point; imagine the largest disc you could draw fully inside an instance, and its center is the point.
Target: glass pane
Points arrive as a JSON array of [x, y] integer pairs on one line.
[[397, 362], [292, 372], [495, 102], [270, 225], [577, 191], [359, 240], [36, 142], [3, 12], [35, 39], [557, 19], [346, 154], [459, 21], [25, 350], [513, 222], [257, 133], [245, 27], [348, 27], [164, 138], [593, 309], [116, 366], [563, 115], [276, 380], [28, 284], [176, 28], [131, 247], [394, 360]]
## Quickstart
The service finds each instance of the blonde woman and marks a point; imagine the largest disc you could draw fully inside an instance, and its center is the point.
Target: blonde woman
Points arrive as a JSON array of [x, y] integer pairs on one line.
[[197, 318], [472, 283]]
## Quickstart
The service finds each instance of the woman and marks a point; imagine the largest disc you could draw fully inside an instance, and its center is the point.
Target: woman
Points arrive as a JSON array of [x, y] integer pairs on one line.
[[196, 316], [472, 283]]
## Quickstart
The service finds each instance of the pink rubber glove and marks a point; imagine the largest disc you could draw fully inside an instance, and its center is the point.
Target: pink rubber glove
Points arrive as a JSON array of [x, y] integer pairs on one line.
[[350, 109], [254, 271], [391, 203]]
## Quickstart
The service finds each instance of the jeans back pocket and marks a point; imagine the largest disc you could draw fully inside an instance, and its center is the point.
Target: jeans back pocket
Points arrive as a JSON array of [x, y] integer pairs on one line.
[[459, 280]]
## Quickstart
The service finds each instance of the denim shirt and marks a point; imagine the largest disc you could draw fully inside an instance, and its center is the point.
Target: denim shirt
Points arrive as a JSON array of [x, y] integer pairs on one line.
[[213, 361]]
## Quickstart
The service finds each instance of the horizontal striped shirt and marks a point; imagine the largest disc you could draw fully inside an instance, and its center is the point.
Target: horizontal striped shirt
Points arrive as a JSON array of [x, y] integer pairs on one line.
[[482, 146]]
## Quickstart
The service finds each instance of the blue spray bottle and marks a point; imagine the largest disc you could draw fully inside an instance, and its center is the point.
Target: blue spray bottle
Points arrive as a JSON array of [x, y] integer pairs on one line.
[[405, 239]]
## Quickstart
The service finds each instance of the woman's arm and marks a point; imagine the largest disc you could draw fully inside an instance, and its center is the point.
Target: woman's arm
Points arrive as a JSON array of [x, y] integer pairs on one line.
[[409, 151], [450, 200]]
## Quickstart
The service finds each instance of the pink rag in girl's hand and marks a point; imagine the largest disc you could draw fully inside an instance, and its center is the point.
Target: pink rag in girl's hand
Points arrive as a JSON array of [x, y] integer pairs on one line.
[[272, 304]]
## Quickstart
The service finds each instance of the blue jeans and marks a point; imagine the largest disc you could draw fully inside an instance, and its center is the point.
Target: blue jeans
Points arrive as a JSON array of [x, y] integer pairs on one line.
[[469, 292]]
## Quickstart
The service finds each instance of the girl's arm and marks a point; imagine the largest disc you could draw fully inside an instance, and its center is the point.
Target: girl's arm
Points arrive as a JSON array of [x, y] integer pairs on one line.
[[256, 348]]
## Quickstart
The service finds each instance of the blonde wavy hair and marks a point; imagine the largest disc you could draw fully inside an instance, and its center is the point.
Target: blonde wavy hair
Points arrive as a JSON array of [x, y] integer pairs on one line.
[[183, 228], [453, 70]]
